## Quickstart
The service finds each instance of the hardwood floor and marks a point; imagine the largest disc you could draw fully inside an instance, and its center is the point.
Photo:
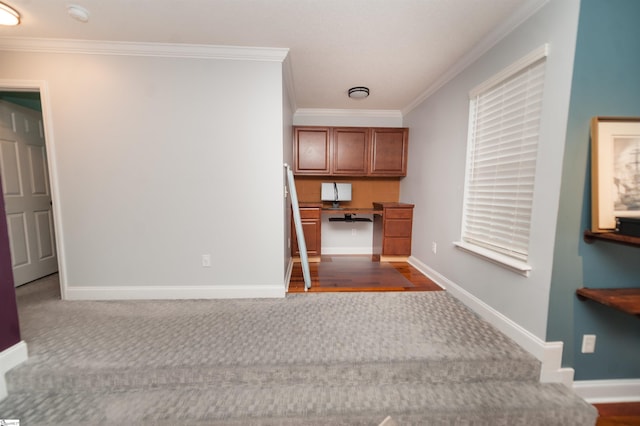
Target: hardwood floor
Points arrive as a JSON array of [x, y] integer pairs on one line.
[[619, 414], [360, 273]]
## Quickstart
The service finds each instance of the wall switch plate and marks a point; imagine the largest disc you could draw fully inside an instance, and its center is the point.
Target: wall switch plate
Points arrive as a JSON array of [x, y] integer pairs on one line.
[[206, 260], [588, 343], [434, 247]]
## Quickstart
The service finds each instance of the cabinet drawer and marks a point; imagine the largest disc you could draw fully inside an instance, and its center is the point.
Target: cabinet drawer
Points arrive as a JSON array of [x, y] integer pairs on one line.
[[397, 228], [398, 213], [309, 213], [396, 247]]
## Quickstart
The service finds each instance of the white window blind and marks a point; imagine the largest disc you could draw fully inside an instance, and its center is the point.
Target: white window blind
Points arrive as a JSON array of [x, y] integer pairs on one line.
[[503, 145]]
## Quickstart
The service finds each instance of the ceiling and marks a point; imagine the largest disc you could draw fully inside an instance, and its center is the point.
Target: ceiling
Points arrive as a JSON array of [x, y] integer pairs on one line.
[[397, 48]]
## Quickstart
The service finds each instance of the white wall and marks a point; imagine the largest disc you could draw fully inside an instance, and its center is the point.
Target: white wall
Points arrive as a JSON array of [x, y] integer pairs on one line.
[[160, 160], [435, 180], [347, 237]]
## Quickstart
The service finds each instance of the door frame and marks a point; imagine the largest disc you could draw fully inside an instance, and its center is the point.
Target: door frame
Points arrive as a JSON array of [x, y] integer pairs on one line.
[[42, 87]]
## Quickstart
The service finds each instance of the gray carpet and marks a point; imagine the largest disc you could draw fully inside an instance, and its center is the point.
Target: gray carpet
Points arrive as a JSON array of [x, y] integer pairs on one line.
[[309, 359]]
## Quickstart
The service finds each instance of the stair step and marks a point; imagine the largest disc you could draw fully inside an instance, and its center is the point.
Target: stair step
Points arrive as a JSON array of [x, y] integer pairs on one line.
[[25, 378], [350, 359], [478, 403]]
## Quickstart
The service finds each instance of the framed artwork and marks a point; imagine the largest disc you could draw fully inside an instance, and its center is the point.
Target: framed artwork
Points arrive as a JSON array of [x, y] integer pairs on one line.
[[615, 171]]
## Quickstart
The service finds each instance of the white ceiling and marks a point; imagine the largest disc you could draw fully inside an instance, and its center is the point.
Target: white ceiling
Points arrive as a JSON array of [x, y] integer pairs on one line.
[[397, 48]]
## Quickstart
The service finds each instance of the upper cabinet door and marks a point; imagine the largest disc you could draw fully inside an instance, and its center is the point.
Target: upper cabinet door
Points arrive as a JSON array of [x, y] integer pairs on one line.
[[350, 151], [389, 151], [311, 150]]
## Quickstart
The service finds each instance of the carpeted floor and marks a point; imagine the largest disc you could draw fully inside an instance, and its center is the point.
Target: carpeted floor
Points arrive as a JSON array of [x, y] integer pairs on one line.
[[325, 358]]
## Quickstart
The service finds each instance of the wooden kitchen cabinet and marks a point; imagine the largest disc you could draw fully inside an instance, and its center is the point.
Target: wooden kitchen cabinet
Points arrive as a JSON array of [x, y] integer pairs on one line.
[[392, 228], [350, 151], [389, 151], [311, 150], [310, 216]]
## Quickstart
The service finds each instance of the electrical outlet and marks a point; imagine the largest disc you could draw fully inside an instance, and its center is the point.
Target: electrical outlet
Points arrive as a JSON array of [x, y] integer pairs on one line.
[[588, 343], [353, 232], [434, 247], [206, 260]]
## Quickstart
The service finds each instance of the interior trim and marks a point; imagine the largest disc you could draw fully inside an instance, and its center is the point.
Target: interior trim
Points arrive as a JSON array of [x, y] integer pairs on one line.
[[176, 292], [373, 113], [172, 50], [606, 391], [510, 263]]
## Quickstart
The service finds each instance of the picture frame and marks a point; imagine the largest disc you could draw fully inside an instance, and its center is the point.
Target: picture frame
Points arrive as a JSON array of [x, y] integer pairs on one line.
[[615, 171]]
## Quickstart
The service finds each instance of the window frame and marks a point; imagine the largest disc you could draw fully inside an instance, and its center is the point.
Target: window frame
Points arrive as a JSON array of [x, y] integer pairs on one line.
[[518, 265]]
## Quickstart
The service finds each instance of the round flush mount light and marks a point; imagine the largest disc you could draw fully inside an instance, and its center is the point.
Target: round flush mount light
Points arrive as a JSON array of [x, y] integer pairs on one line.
[[8, 16], [78, 13], [359, 92]]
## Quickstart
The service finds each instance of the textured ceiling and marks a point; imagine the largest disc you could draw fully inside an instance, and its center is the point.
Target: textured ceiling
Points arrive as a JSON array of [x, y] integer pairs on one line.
[[398, 48]]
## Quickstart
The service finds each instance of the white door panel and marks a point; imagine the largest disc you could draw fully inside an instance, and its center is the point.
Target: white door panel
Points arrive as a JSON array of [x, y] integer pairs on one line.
[[10, 167], [44, 235], [18, 241], [38, 171], [25, 185]]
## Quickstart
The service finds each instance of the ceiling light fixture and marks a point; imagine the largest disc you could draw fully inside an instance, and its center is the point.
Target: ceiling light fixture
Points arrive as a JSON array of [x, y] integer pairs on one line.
[[8, 16], [359, 92], [78, 13]]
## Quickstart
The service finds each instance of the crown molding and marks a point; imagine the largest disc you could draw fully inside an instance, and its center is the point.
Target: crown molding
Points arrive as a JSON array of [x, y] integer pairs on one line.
[[171, 50], [501, 31], [371, 113]]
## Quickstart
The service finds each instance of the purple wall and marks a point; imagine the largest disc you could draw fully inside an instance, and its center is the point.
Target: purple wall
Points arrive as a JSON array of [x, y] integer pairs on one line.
[[9, 327]]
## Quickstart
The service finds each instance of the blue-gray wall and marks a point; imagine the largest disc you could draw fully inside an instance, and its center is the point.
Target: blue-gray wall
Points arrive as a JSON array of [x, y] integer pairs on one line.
[[606, 82]]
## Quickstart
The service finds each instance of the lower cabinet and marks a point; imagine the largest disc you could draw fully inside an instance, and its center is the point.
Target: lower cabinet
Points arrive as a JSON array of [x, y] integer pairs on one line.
[[392, 230], [310, 216]]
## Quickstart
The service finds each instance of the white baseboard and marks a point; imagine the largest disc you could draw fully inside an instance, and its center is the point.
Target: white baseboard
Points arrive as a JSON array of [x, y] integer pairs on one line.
[[175, 292], [548, 353], [10, 358], [604, 391]]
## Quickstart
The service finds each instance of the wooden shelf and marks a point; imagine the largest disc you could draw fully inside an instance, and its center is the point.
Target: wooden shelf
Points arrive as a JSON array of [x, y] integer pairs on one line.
[[624, 299], [590, 237]]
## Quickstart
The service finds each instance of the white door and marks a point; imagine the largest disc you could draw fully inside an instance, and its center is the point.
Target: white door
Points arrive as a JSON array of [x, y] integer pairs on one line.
[[27, 197]]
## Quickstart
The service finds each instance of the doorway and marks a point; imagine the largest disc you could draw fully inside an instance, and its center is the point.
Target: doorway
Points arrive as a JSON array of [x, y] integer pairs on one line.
[[25, 186]]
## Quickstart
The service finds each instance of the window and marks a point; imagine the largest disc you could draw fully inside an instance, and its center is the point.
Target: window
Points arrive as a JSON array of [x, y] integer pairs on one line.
[[504, 127]]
